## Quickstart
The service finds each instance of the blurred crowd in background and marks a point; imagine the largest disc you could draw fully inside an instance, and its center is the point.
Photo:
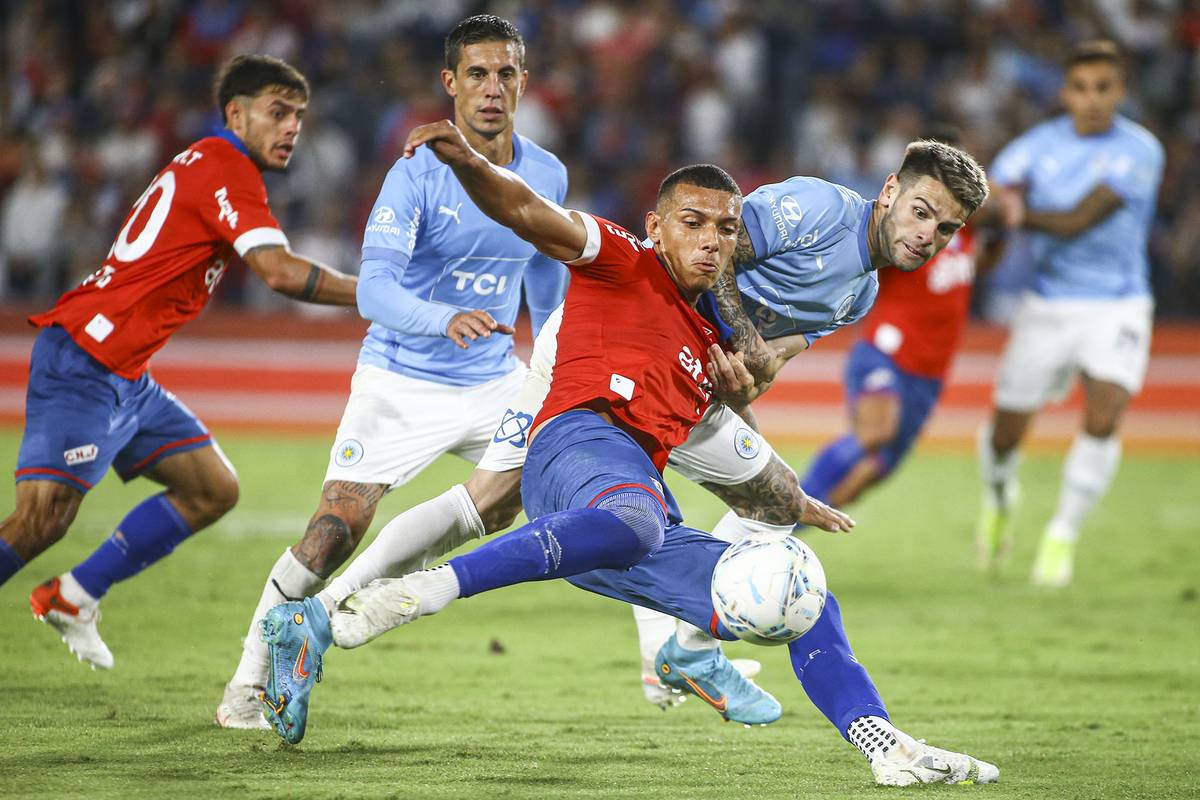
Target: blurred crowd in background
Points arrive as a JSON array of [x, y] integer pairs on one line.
[[97, 96]]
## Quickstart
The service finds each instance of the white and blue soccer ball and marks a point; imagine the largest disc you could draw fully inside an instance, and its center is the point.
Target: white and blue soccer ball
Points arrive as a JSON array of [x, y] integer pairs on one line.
[[768, 588]]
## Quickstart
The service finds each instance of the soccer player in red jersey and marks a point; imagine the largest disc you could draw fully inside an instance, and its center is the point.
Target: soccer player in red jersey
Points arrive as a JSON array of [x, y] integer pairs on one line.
[[895, 371], [91, 402]]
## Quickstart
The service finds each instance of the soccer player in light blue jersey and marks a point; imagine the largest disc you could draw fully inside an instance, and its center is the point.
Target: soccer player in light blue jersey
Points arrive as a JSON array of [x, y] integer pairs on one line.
[[441, 284], [1083, 185]]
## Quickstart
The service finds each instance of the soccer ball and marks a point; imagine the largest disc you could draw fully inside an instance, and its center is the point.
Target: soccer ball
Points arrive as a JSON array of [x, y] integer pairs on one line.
[[768, 588]]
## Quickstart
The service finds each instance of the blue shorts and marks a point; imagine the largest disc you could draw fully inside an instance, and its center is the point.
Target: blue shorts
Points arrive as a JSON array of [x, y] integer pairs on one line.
[[578, 458], [870, 371], [80, 418]]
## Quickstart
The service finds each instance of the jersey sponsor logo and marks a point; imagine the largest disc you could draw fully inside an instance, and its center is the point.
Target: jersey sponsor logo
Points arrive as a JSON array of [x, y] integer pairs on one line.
[[349, 452], [485, 284], [213, 275], [83, 454], [950, 270], [227, 215], [790, 210], [101, 277], [514, 428], [627, 236], [844, 308], [694, 366], [383, 221], [451, 212], [99, 327], [746, 443]]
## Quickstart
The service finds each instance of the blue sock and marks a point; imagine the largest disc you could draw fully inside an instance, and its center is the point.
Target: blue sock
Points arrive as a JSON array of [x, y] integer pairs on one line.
[[552, 546], [149, 532], [836, 684], [10, 562], [831, 466]]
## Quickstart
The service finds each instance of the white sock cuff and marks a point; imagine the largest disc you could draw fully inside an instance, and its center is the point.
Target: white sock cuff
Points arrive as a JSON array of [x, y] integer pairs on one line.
[[435, 588], [732, 528], [292, 579], [1092, 462], [73, 592], [692, 638], [464, 509]]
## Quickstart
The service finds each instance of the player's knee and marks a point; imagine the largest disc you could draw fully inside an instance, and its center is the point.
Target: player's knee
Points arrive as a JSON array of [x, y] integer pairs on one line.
[[643, 515], [212, 499], [876, 435]]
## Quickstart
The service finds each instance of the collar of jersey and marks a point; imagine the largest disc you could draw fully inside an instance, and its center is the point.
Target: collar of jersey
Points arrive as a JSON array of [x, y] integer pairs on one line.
[[864, 223], [233, 139]]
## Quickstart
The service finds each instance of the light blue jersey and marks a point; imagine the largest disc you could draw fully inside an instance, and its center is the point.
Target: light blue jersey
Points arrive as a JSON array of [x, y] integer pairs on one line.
[[429, 253], [1059, 168], [812, 273]]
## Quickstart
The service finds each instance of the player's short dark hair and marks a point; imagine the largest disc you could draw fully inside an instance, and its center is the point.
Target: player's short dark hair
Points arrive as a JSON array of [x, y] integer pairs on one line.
[[1096, 50], [482, 28], [950, 166], [249, 75], [706, 176]]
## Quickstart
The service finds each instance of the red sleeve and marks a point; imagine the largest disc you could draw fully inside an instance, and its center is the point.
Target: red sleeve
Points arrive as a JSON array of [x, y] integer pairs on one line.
[[610, 250], [235, 206]]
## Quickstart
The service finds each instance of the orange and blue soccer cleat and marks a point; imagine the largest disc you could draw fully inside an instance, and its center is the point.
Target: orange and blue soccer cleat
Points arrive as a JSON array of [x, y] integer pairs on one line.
[[296, 635], [709, 675]]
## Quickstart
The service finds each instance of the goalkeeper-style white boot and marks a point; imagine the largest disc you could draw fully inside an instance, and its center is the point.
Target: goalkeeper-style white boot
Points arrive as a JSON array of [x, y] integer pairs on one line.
[[912, 761], [373, 610]]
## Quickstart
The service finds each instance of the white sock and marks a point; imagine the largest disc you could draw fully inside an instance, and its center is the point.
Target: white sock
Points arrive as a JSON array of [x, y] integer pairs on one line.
[[434, 588], [289, 580], [732, 528], [654, 628], [874, 736], [692, 638], [1089, 469], [73, 591], [997, 473], [411, 542]]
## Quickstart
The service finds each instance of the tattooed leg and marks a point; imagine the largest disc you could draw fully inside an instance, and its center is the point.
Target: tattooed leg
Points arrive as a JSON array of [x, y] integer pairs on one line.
[[338, 525], [772, 496]]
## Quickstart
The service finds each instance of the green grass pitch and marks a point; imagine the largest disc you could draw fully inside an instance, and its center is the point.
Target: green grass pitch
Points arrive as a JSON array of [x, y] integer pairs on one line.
[[533, 691]]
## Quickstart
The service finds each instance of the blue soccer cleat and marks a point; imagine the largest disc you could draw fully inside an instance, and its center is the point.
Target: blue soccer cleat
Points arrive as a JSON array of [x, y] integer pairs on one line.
[[709, 675], [296, 634]]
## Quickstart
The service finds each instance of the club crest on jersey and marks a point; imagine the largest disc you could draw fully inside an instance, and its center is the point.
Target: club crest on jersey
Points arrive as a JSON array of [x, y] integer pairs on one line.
[[349, 452], [83, 454], [745, 443], [514, 428], [844, 308]]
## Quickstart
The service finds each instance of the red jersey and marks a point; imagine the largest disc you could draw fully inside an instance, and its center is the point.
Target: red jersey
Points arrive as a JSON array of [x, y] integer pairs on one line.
[[919, 316], [208, 203], [630, 344]]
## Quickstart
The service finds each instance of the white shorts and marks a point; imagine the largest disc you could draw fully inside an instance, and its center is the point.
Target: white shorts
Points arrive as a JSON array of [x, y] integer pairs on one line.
[[1051, 341], [395, 426], [721, 448]]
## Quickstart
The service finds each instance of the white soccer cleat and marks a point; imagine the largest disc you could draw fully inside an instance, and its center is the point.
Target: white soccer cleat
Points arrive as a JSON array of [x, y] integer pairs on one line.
[[241, 709], [373, 610], [912, 761], [75, 624]]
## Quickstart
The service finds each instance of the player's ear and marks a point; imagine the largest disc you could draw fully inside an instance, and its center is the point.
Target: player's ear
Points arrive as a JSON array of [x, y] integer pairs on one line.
[[235, 114], [523, 83], [448, 83], [654, 226], [888, 193]]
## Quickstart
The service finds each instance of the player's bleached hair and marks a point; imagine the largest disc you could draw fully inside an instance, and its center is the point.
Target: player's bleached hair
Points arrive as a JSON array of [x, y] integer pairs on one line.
[[249, 75], [950, 166], [482, 28], [1095, 50], [706, 176]]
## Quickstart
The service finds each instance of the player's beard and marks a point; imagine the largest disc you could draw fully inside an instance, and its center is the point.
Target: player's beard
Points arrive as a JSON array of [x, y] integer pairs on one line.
[[889, 243]]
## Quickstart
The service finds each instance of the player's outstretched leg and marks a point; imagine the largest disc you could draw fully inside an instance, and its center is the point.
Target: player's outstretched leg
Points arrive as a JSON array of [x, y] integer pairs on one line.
[[297, 635], [699, 667]]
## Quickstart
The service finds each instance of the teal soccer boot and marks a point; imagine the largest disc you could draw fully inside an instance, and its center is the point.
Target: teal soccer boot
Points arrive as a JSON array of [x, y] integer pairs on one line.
[[709, 675], [296, 634]]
